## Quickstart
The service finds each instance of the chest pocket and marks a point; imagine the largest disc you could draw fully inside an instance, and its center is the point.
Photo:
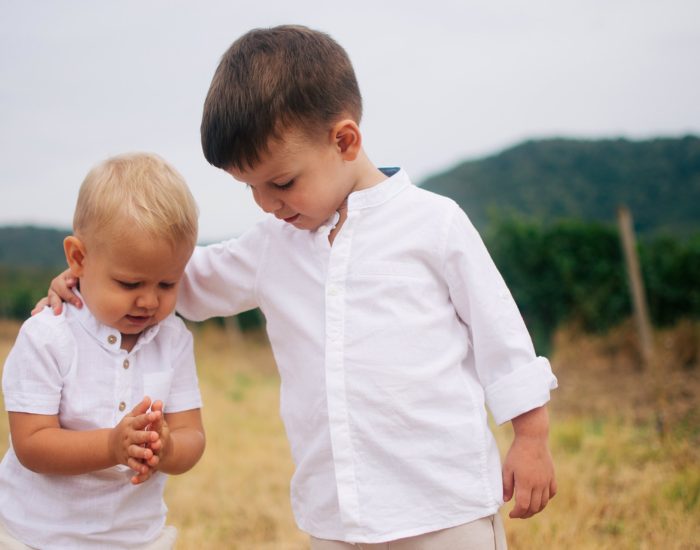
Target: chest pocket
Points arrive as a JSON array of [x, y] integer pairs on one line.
[[156, 385]]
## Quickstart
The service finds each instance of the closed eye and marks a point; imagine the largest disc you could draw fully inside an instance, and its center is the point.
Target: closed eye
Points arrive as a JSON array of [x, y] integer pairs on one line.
[[166, 286], [128, 286], [284, 185]]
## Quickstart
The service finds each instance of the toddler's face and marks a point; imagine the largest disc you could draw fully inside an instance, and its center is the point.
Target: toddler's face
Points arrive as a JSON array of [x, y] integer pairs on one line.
[[131, 284], [300, 182]]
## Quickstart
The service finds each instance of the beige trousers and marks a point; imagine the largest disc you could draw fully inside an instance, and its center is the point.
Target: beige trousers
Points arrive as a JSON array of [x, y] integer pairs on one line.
[[166, 540], [483, 534]]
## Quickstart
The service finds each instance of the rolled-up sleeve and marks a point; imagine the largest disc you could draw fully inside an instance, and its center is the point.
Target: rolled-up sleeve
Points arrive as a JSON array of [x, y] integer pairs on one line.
[[514, 378]]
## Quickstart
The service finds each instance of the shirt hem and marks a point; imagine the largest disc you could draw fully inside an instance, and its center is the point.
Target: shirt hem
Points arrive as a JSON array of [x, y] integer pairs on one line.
[[401, 534]]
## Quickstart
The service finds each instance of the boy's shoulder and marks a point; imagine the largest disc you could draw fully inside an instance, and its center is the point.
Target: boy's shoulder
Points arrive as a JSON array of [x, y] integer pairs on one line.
[[430, 199]]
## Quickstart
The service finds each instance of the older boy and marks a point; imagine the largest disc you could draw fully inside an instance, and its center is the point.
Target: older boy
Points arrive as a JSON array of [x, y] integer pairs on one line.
[[390, 324], [77, 472]]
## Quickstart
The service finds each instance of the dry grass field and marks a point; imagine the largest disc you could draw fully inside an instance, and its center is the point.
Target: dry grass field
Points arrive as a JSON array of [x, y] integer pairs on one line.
[[626, 444]]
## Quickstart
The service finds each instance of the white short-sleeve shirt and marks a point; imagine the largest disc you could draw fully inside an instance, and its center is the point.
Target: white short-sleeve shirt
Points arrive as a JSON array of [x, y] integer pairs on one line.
[[72, 366], [389, 344]]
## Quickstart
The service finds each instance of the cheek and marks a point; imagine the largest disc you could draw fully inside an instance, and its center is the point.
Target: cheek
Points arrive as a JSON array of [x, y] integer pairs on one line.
[[167, 303]]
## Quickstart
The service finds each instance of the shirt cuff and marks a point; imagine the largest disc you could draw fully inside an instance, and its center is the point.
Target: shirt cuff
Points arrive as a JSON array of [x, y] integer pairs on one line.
[[522, 390]]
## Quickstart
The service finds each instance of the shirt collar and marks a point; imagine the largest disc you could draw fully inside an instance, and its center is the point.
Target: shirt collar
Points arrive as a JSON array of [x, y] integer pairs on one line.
[[397, 180], [109, 338]]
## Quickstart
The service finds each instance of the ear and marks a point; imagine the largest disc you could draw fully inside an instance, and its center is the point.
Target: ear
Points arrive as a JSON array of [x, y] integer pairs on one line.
[[75, 254], [347, 138]]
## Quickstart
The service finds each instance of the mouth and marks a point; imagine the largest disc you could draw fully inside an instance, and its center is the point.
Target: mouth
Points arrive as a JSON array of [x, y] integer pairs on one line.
[[291, 219], [138, 319]]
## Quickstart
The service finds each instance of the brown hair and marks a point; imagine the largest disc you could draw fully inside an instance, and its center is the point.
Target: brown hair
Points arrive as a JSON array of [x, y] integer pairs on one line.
[[136, 191], [270, 80]]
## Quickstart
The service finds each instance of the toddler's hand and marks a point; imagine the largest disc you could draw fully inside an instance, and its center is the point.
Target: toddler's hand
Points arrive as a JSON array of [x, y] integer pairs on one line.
[[129, 441]]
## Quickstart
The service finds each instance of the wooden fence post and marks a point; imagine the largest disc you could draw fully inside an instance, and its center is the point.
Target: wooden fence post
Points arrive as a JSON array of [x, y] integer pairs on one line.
[[634, 275]]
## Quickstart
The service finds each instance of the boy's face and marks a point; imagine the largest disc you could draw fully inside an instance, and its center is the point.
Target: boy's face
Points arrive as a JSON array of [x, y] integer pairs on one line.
[[300, 181], [130, 283]]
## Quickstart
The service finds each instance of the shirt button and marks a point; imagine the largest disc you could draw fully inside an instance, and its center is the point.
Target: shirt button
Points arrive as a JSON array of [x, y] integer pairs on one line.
[[122, 406], [112, 339], [333, 291], [126, 364]]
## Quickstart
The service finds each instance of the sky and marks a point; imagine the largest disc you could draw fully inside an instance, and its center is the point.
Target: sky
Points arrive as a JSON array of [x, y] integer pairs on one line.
[[442, 81]]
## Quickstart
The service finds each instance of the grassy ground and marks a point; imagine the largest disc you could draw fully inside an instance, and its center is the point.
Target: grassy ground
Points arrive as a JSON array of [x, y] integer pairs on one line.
[[626, 444]]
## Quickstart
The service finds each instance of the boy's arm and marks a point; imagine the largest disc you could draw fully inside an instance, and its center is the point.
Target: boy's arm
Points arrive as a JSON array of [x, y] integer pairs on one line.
[[528, 470], [41, 445], [221, 279], [516, 382]]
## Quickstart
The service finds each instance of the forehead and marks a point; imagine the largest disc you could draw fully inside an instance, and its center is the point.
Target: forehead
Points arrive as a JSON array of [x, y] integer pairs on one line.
[[284, 154]]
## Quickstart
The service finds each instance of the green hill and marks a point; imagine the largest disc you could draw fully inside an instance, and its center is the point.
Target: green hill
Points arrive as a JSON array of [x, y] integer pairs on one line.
[[658, 179], [33, 247]]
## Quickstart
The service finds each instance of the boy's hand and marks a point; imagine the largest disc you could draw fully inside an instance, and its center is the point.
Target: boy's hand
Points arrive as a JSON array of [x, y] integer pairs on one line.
[[160, 426], [129, 441], [528, 470], [60, 291], [157, 446]]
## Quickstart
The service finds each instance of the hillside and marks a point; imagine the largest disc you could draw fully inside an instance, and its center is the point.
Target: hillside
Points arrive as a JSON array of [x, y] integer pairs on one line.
[[32, 247], [658, 179]]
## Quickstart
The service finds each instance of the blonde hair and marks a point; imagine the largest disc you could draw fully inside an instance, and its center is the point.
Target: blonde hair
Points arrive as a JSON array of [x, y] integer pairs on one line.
[[136, 191]]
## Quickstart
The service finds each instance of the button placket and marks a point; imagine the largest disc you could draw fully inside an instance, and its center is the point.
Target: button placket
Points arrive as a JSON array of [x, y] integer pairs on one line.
[[336, 389], [124, 379]]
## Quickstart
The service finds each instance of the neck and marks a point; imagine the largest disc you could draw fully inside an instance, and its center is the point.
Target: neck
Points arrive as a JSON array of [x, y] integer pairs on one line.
[[367, 174]]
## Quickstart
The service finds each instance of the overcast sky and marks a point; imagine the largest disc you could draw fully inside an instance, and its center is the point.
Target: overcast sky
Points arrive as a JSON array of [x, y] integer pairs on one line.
[[442, 80]]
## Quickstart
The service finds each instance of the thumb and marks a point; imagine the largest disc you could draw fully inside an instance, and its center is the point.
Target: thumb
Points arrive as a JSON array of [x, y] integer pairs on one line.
[[142, 407], [508, 484]]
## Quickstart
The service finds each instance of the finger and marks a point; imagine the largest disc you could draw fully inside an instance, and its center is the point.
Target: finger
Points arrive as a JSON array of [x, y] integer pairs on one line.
[[144, 421], [40, 305], [535, 504], [139, 452], [522, 503], [137, 466], [157, 407], [508, 484], [142, 407], [153, 461], [140, 478], [142, 438], [55, 302], [552, 488]]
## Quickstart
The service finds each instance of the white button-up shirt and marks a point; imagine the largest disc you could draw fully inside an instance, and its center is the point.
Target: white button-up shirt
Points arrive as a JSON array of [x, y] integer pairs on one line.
[[72, 366], [388, 343]]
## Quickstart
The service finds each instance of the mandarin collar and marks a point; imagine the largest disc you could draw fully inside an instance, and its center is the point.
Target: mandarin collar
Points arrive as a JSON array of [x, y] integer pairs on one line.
[[397, 180], [109, 338]]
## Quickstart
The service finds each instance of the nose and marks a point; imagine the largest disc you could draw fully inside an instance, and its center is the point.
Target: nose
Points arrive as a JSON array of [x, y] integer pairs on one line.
[[267, 201], [147, 300]]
